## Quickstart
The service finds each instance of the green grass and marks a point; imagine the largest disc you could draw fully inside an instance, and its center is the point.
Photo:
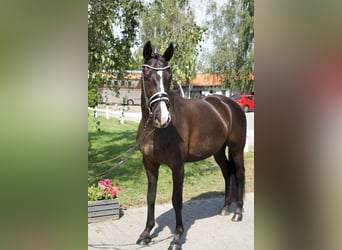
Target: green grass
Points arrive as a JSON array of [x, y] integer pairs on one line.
[[108, 139]]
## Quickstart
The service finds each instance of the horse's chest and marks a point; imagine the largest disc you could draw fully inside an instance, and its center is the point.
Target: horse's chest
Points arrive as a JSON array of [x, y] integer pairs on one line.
[[162, 145], [146, 149], [155, 148]]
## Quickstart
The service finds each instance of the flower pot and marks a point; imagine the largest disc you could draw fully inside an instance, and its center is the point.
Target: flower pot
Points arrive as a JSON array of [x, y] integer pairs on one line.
[[103, 210]]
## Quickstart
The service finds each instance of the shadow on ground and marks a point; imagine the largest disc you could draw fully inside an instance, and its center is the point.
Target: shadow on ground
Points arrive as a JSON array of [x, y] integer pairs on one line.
[[195, 209]]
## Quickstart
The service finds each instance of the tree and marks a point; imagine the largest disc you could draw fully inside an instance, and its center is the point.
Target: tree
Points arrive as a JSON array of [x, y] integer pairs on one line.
[[232, 32], [173, 21], [112, 30]]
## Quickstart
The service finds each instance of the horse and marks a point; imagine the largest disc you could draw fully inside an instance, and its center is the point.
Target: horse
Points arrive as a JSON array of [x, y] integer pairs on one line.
[[186, 130]]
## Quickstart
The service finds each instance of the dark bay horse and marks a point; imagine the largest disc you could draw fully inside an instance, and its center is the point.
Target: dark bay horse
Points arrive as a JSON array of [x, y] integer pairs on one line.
[[182, 130]]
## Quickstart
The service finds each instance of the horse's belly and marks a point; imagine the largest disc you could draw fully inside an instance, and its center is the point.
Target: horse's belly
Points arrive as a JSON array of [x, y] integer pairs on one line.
[[207, 146]]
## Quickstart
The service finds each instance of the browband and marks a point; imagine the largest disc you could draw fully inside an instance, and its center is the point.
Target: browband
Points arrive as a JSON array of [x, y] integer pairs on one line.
[[148, 66]]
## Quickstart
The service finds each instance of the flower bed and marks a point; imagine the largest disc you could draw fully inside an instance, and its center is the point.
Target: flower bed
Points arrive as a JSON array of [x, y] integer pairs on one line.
[[103, 210], [103, 203]]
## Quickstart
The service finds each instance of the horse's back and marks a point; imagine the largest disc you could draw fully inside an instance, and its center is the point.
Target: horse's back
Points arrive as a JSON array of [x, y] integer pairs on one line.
[[199, 114], [234, 116], [223, 102], [209, 123]]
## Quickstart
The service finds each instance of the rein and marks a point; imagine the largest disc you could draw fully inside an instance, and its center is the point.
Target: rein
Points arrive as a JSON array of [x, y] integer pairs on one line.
[[124, 157]]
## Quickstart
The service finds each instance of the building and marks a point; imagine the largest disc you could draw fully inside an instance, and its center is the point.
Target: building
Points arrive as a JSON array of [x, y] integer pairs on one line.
[[205, 84], [130, 88]]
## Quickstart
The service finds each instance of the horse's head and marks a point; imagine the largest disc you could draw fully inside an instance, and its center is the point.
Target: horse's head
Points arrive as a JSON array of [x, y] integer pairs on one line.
[[156, 81]]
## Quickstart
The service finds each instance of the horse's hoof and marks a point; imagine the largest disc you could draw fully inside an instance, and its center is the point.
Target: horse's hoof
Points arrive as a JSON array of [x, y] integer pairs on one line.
[[237, 217], [175, 247], [224, 212], [144, 242]]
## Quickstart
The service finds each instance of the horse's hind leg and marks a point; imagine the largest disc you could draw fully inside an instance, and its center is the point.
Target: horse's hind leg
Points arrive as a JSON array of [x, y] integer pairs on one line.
[[152, 176], [236, 157], [228, 173]]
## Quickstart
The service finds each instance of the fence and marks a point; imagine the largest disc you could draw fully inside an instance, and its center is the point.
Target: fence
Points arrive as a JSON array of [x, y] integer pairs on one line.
[[249, 146], [118, 114]]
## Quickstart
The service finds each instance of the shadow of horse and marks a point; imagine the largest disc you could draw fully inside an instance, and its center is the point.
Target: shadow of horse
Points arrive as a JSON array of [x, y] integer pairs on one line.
[[195, 209]]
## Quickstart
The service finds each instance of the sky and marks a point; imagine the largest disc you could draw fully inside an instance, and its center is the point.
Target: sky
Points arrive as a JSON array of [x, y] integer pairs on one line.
[[199, 7]]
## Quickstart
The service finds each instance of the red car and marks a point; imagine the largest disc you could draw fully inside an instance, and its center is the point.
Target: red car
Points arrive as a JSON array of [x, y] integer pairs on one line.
[[245, 101]]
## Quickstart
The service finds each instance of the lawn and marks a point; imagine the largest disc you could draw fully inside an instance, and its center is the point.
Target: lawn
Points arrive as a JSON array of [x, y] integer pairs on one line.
[[108, 139]]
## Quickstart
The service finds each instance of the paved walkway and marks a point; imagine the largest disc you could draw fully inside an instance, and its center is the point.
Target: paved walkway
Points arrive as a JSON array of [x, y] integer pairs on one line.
[[204, 228]]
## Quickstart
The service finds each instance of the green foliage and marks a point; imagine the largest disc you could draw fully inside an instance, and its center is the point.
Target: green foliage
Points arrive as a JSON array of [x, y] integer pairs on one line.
[[112, 30], [97, 124], [232, 32], [173, 21], [94, 193], [93, 87]]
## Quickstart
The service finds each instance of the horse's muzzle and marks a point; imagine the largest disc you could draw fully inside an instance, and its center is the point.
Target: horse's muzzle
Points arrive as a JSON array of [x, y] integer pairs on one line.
[[161, 116], [161, 123]]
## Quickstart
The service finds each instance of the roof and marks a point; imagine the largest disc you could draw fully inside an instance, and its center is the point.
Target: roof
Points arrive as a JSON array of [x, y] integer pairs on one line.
[[206, 79], [128, 76], [200, 80]]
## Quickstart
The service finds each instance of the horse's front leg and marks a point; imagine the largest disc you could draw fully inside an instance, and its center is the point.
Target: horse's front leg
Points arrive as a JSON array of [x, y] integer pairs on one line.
[[177, 202], [151, 170]]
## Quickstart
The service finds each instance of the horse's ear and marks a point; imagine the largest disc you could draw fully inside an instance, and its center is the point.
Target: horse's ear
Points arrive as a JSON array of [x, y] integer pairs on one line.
[[147, 52], [168, 53]]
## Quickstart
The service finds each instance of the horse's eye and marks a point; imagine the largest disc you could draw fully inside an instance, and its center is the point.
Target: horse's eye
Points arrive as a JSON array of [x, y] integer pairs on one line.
[[147, 71]]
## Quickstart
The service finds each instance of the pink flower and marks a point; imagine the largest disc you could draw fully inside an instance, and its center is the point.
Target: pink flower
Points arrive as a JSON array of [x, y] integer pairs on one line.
[[103, 184], [108, 183], [105, 190], [114, 192]]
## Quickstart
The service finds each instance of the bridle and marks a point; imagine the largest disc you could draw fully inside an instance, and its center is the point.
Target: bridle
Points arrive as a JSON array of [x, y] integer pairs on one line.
[[157, 97]]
